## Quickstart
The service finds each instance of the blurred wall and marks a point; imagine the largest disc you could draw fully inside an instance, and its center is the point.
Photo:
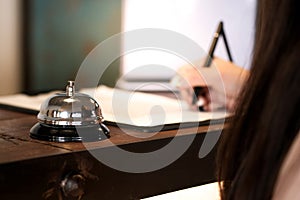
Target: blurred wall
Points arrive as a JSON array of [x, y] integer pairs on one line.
[[10, 47], [59, 35]]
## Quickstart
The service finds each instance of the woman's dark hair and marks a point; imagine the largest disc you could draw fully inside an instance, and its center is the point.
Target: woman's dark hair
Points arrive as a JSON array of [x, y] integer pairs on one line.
[[266, 121]]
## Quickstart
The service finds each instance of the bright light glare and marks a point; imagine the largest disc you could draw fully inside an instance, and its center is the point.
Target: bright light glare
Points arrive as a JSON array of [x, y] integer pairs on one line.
[[196, 19]]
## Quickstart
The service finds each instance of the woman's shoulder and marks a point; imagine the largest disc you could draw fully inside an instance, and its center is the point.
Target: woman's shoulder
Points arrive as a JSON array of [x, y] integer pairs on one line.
[[288, 182]]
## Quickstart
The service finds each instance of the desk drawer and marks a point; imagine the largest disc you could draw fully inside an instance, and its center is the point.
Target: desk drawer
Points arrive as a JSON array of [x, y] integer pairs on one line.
[[80, 175]]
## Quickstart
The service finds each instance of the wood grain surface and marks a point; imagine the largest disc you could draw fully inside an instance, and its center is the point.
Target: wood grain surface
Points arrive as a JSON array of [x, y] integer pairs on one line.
[[34, 169]]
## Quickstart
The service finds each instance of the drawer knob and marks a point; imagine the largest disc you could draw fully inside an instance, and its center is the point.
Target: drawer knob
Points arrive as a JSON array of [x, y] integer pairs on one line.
[[73, 185]]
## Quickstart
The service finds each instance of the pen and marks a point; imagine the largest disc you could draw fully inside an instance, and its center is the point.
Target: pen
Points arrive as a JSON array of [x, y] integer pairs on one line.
[[213, 45], [198, 98]]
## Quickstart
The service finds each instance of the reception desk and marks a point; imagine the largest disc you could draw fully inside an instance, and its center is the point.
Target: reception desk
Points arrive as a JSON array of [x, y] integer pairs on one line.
[[33, 169]]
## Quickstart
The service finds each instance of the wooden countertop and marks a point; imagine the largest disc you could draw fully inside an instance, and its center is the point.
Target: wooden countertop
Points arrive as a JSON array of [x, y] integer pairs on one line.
[[27, 163], [16, 145]]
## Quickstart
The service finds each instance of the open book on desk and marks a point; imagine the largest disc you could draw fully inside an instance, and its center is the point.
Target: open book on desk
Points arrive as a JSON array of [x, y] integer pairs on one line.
[[142, 111]]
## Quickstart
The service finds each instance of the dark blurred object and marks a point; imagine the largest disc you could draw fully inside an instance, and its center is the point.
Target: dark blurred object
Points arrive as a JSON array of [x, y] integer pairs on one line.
[[58, 34]]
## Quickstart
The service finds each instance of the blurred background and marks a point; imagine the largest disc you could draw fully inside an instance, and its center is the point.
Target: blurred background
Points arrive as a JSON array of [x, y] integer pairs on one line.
[[44, 42]]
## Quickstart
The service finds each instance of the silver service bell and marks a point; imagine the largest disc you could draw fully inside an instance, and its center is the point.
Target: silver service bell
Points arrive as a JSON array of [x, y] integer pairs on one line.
[[68, 117]]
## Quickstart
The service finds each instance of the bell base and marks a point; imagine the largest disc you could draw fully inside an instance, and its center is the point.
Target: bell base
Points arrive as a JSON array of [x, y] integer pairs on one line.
[[52, 133]]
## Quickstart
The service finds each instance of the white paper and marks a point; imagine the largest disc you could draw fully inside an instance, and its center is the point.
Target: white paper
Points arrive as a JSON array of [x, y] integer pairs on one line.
[[204, 192], [127, 107]]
